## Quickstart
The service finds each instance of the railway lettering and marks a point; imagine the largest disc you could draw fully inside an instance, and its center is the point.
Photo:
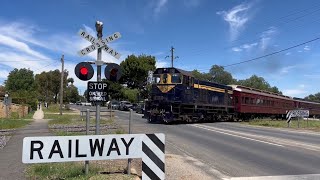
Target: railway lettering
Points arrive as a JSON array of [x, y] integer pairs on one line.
[[74, 148]]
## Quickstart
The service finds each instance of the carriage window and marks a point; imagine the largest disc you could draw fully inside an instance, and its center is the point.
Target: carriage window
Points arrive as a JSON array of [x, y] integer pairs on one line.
[[176, 78], [246, 100], [165, 78], [156, 79]]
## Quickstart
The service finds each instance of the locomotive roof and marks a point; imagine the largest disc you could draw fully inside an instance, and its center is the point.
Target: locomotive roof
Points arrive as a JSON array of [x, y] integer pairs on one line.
[[259, 92], [176, 70]]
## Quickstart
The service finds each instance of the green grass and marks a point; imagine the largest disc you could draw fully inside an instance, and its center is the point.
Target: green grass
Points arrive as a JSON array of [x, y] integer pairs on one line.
[[304, 124], [70, 171], [66, 171], [13, 123], [54, 108]]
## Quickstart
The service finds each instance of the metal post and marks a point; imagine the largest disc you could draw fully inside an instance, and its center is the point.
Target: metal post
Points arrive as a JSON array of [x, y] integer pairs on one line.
[[110, 110], [87, 132], [298, 122], [99, 27], [129, 160], [6, 99], [307, 122], [61, 84]]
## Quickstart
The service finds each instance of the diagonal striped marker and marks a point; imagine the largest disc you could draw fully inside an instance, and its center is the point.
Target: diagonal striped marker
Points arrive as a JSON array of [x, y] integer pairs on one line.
[[153, 156]]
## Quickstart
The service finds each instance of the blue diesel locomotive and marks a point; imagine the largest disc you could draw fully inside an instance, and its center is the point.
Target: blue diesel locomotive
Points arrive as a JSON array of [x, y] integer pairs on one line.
[[177, 95]]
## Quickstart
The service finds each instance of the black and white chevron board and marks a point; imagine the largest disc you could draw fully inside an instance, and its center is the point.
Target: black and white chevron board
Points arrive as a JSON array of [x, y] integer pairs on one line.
[[149, 147], [153, 156]]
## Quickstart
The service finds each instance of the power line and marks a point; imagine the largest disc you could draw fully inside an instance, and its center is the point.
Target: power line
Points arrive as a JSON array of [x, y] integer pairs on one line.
[[279, 22], [29, 60], [273, 53]]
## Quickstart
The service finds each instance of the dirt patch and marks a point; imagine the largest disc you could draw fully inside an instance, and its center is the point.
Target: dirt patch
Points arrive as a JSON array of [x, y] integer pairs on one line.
[[177, 167]]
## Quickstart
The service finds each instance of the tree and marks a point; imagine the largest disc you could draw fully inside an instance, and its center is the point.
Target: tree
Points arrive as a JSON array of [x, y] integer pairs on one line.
[[70, 80], [71, 94], [221, 76], [258, 83], [202, 76], [135, 70], [20, 79], [313, 97], [48, 84], [21, 86], [114, 89], [130, 94]]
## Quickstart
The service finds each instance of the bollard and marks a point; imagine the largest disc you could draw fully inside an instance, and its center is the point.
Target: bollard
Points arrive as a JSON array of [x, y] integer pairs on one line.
[[129, 160], [87, 132]]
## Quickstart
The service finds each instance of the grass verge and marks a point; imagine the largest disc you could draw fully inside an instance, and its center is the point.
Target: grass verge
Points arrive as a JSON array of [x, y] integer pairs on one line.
[[70, 171], [55, 108], [303, 124], [13, 123]]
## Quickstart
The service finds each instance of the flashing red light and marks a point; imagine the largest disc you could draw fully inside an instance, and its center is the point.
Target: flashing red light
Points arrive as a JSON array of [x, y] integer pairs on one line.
[[84, 71], [113, 72]]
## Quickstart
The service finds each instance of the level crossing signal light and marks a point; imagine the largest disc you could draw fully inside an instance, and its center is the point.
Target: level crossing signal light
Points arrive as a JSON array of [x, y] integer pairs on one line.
[[113, 72], [84, 71]]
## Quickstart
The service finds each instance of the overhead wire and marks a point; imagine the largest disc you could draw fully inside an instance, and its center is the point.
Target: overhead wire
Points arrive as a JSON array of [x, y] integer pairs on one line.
[[279, 24], [270, 54]]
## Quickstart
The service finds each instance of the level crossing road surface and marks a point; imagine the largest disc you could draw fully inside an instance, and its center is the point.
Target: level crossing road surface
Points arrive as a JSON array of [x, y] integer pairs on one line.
[[227, 149]]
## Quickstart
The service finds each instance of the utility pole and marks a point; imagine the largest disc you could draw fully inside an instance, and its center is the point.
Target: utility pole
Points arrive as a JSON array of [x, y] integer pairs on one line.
[[99, 27], [172, 57], [61, 84]]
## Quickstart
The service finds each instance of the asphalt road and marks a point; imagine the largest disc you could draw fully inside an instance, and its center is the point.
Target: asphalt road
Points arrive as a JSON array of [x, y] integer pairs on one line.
[[234, 150]]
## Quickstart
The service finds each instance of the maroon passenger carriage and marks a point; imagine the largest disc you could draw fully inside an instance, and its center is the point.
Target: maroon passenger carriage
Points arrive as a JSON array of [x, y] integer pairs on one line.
[[252, 103]]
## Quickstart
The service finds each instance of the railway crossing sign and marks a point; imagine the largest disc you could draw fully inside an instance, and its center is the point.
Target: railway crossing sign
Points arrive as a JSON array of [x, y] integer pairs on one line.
[[97, 92], [96, 43]]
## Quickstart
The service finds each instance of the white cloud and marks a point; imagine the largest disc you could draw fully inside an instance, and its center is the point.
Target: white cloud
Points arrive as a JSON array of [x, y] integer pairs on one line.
[[306, 48], [295, 92], [244, 47], [161, 64], [286, 69], [236, 17], [159, 6], [236, 49], [288, 53], [23, 47], [4, 74], [266, 37], [21, 32]]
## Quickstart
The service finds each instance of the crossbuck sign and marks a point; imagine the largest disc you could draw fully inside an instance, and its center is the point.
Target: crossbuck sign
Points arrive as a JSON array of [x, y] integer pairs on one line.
[[149, 147], [97, 43]]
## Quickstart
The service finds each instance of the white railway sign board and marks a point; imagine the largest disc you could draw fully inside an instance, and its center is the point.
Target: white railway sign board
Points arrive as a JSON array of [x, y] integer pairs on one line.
[[149, 147], [297, 113], [96, 43]]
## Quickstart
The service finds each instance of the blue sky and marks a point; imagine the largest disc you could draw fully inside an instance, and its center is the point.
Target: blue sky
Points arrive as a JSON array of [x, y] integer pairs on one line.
[[34, 34]]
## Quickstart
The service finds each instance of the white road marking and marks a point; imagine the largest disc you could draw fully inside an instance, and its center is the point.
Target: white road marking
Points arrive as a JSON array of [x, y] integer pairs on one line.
[[272, 139], [282, 129], [195, 125], [284, 177]]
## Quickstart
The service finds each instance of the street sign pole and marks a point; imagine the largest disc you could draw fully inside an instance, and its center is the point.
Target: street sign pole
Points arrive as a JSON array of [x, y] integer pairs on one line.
[[99, 27], [87, 132]]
